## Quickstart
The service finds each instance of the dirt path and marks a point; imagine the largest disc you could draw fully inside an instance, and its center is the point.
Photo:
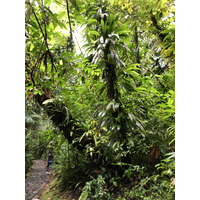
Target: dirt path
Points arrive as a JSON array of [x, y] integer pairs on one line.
[[37, 180]]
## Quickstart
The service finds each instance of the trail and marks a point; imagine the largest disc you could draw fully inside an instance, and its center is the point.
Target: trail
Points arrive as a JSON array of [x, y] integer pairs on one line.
[[37, 180]]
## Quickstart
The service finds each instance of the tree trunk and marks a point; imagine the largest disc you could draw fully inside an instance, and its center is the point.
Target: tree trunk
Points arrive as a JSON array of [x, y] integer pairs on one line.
[[110, 77], [137, 46]]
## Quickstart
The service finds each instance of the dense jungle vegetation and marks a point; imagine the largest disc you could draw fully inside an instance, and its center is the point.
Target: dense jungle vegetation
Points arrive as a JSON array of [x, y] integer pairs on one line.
[[100, 93]]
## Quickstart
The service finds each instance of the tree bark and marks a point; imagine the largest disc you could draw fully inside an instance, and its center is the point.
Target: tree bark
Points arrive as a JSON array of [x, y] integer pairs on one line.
[[155, 24], [110, 76], [137, 46], [70, 27]]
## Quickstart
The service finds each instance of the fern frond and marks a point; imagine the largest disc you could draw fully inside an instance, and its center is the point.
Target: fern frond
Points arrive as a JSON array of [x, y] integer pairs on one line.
[[84, 195]]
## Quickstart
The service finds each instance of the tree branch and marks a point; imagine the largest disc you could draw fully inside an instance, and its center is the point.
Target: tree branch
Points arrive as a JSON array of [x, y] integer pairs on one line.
[[69, 25], [45, 38], [41, 29], [155, 24], [137, 46]]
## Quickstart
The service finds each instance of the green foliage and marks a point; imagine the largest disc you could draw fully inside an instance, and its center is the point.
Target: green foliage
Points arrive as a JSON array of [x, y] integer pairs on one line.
[[38, 134], [109, 113], [94, 189]]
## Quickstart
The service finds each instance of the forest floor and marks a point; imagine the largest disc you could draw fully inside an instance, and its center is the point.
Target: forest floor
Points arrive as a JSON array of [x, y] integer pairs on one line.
[[37, 180]]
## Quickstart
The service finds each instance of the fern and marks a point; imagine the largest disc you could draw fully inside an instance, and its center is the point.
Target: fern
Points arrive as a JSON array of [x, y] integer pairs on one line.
[[84, 194], [100, 187], [94, 188]]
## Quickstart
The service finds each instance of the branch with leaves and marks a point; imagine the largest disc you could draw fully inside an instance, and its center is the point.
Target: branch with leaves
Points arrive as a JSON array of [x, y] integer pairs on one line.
[[45, 40]]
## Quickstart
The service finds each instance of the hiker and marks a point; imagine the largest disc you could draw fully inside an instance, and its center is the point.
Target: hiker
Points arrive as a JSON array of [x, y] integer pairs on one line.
[[49, 161]]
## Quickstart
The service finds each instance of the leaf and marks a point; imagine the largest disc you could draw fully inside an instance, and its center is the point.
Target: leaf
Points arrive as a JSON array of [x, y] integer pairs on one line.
[[61, 24], [33, 24], [122, 29], [118, 127], [171, 141], [74, 4], [84, 195], [165, 117], [91, 21], [29, 12], [103, 26], [47, 2], [127, 85], [140, 88], [112, 2], [32, 46], [163, 105], [102, 114], [127, 41], [129, 9], [140, 126], [128, 172], [131, 116], [93, 32], [115, 184], [48, 101], [128, 71], [56, 2], [99, 12], [171, 155], [102, 89], [50, 12], [132, 66], [113, 34], [61, 15], [80, 19]]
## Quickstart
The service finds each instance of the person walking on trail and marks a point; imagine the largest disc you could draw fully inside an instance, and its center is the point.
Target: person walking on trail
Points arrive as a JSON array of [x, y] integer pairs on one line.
[[49, 162]]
